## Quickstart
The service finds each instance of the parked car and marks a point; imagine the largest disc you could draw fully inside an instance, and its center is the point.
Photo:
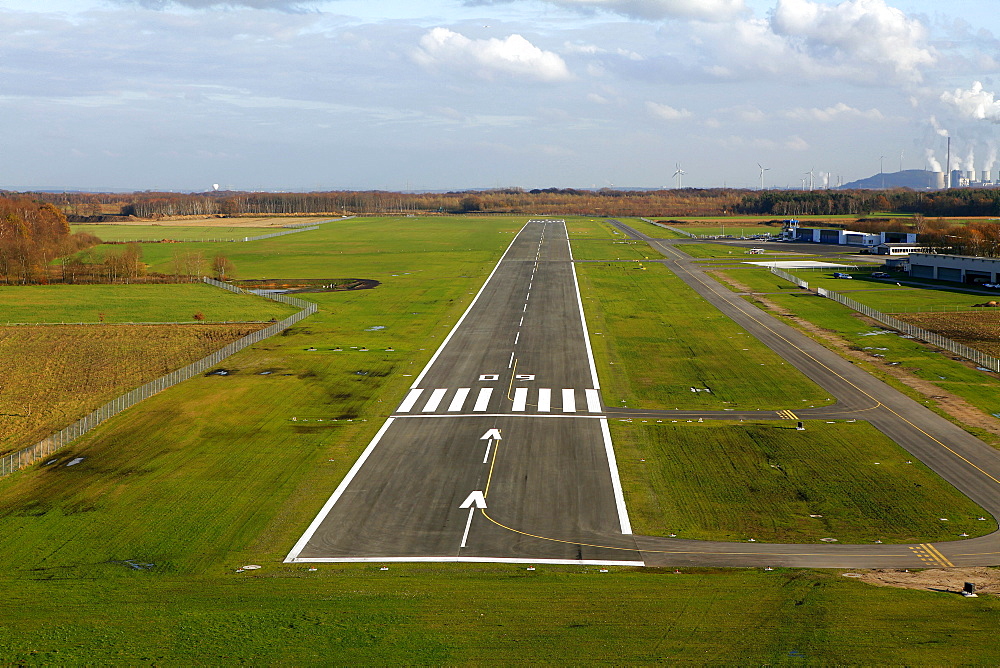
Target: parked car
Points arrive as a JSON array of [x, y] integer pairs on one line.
[[838, 274], [880, 274]]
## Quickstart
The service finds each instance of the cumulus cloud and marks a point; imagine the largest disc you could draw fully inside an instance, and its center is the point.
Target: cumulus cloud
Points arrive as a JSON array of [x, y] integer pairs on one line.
[[666, 112], [862, 32], [513, 56], [974, 103], [836, 112], [651, 10]]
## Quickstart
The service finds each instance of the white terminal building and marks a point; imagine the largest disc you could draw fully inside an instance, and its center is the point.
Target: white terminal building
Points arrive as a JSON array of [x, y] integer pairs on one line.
[[883, 243]]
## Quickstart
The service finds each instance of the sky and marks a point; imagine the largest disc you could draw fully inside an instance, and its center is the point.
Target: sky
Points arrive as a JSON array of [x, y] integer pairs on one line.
[[307, 95]]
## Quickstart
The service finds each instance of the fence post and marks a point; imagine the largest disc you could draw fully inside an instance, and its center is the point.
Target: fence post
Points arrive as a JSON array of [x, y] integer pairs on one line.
[[27, 455]]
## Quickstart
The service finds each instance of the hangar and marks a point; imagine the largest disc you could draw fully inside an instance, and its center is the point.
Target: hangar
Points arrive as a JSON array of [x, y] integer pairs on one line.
[[955, 268]]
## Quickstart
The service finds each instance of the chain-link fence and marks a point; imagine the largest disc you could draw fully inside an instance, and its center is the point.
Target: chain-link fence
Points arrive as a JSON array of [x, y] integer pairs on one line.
[[980, 358], [788, 277], [47, 446]]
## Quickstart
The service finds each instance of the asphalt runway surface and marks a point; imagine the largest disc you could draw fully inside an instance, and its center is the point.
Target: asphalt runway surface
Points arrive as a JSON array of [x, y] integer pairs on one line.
[[507, 414], [501, 449]]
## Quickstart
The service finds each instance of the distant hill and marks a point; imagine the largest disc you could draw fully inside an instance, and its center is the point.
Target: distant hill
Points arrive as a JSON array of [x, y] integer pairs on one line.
[[917, 179]]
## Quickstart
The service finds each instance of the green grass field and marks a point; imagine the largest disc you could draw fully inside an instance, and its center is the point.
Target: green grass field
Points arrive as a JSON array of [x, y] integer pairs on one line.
[[498, 614], [652, 348], [735, 253], [129, 556], [688, 478], [976, 387], [140, 233], [133, 303]]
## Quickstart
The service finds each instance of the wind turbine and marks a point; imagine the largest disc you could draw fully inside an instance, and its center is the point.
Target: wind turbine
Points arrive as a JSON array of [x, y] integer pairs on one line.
[[812, 175], [679, 174], [762, 170]]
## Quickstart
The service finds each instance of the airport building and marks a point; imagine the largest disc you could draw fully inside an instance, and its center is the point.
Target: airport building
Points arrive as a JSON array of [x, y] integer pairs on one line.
[[956, 268], [791, 231]]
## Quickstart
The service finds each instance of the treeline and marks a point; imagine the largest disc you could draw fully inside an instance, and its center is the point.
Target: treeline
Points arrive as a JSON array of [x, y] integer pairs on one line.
[[957, 202], [32, 235], [603, 202], [974, 238]]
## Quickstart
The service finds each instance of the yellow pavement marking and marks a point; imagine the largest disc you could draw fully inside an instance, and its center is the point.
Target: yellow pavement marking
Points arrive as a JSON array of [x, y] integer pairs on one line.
[[940, 558]]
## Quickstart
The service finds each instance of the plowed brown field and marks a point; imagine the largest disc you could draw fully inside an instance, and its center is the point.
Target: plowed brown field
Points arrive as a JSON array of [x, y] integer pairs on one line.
[[977, 329], [55, 374]]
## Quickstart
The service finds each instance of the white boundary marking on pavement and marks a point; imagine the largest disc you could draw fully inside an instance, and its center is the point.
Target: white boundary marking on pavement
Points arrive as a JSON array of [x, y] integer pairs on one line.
[[476, 560], [616, 483], [483, 400], [475, 299], [520, 399], [593, 401], [437, 396], [568, 401], [409, 401], [325, 510], [583, 318], [577, 416], [544, 400], [459, 400]]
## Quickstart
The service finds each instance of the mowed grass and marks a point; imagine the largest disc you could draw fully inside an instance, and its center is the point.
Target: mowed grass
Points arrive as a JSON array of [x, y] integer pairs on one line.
[[215, 471], [424, 249], [195, 228], [457, 614], [141, 233], [654, 346], [56, 374], [735, 253], [129, 556], [882, 346], [734, 481], [133, 303]]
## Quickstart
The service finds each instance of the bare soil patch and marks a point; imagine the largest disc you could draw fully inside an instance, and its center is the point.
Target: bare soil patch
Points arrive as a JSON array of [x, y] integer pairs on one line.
[[987, 580], [297, 285]]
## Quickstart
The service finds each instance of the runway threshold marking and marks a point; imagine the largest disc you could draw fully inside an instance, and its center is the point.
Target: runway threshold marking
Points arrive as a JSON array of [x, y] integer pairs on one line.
[[755, 314]]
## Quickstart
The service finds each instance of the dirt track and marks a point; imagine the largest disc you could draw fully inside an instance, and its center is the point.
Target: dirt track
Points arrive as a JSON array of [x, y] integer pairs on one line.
[[987, 580]]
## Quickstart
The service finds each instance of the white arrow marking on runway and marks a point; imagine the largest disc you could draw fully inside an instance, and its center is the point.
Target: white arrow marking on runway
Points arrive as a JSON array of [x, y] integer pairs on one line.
[[475, 500], [492, 433]]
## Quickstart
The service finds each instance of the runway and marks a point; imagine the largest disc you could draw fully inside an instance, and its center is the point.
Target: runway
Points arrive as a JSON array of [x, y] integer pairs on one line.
[[501, 451], [506, 415]]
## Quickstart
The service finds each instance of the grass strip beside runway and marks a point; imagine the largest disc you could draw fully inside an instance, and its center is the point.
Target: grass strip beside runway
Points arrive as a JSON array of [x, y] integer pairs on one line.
[[498, 614], [656, 341], [734, 481]]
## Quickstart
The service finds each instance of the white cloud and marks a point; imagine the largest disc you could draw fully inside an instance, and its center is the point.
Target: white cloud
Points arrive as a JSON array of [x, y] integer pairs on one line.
[[513, 56], [652, 10], [594, 50], [974, 103], [837, 111], [862, 33], [666, 112]]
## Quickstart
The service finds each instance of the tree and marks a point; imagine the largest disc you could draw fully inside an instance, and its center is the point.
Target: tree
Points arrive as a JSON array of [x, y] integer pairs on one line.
[[222, 266], [188, 264]]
